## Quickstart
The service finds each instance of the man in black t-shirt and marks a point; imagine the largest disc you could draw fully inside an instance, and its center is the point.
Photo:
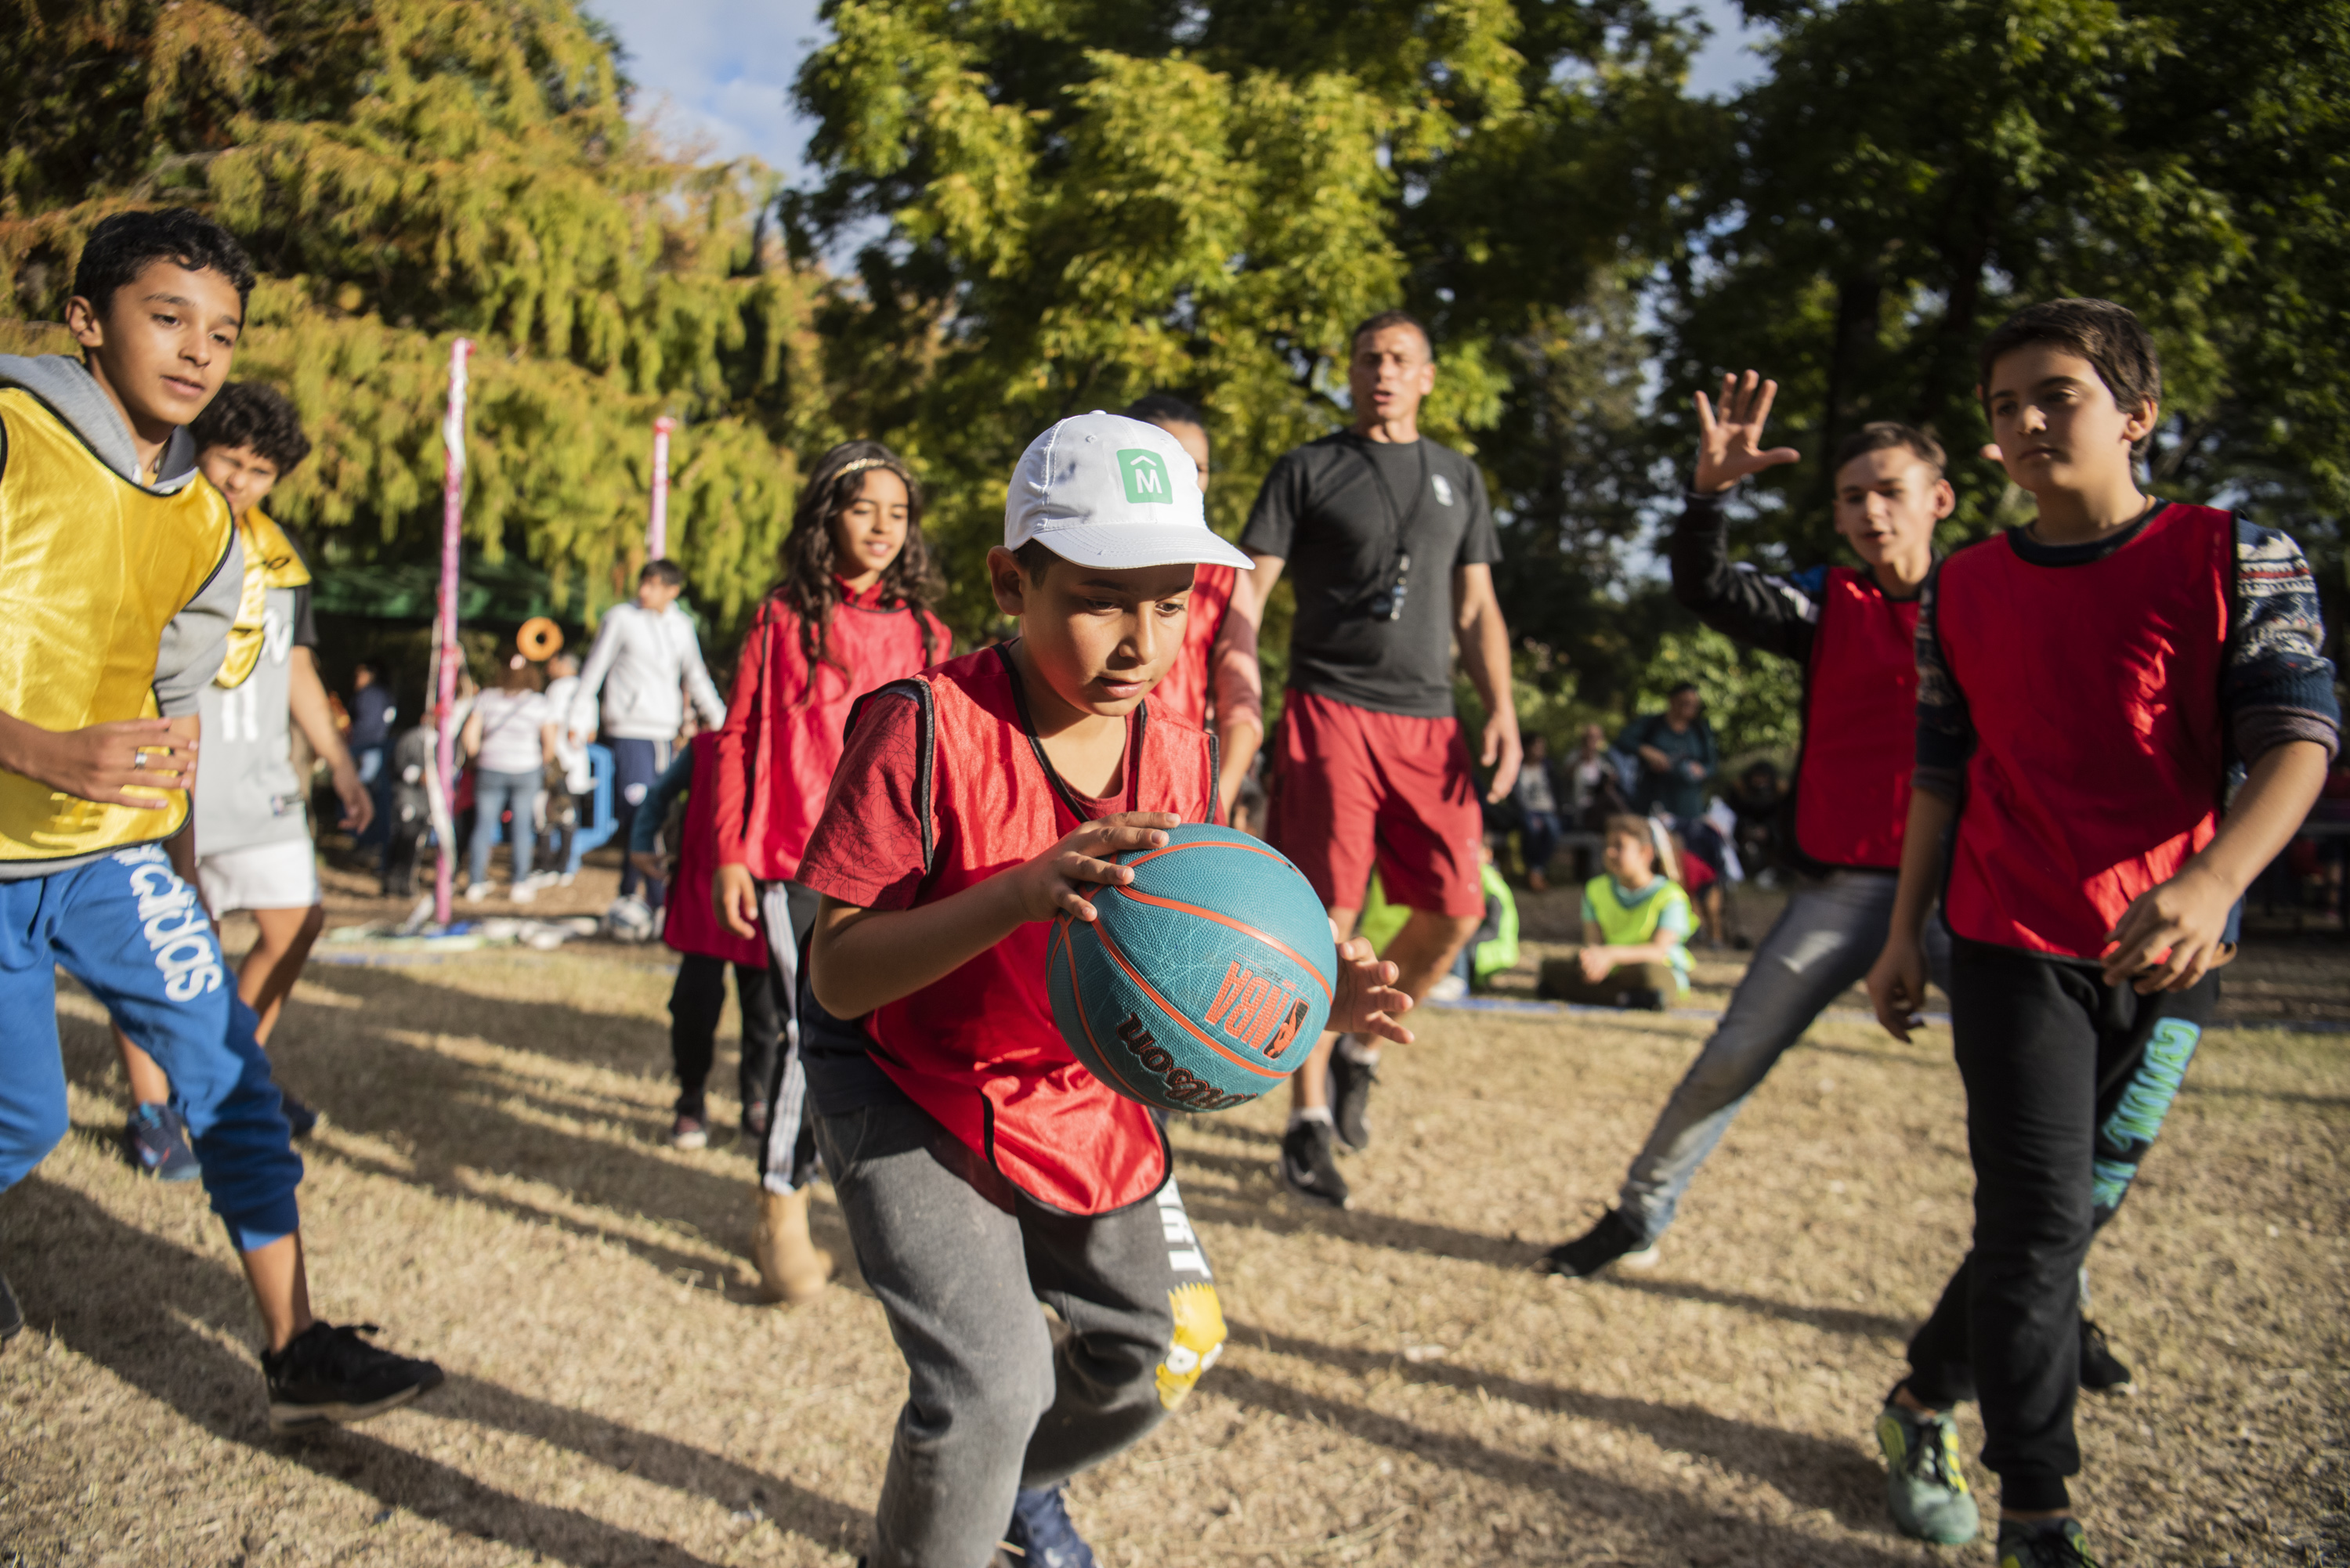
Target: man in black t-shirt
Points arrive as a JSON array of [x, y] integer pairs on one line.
[[1389, 544]]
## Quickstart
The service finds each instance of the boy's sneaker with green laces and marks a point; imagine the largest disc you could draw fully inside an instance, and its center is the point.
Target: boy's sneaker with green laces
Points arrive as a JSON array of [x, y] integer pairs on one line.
[[1924, 1484], [2044, 1543]]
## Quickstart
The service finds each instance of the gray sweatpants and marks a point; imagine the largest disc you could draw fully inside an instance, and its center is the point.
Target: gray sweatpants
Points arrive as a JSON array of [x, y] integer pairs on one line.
[[1823, 943], [998, 1397]]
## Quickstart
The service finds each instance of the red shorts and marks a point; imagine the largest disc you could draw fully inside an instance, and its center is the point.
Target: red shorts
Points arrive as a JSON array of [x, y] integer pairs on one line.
[[1353, 788]]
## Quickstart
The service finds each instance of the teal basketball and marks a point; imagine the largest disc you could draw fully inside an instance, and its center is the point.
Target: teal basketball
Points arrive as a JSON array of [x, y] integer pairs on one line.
[[1205, 981]]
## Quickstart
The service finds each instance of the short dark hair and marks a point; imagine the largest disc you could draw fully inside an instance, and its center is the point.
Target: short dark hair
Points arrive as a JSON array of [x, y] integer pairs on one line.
[[256, 415], [1036, 558], [1681, 686], [1165, 409], [1879, 435], [1387, 318], [2105, 334], [666, 570], [123, 247]]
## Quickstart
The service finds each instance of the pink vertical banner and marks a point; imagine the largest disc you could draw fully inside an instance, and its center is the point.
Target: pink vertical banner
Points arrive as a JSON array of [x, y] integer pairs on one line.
[[447, 655], [657, 530]]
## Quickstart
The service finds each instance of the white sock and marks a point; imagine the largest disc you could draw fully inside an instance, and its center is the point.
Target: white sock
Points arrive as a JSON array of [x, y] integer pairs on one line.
[[1354, 1050], [1297, 1118]]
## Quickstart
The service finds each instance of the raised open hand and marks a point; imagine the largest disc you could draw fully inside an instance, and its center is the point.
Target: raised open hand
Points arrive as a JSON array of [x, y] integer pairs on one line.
[[1729, 446]]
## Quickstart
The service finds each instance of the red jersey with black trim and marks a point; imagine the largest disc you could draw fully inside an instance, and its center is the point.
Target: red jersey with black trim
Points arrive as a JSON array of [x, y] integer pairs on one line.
[[1860, 726], [783, 734], [945, 785], [2099, 759], [1182, 693], [691, 925]]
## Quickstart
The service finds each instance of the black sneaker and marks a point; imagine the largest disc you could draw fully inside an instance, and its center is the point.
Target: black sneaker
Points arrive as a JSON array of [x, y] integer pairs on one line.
[[1041, 1532], [1309, 1167], [1350, 1098], [301, 1118], [2100, 1368], [326, 1373], [1594, 1249], [12, 1316], [2044, 1543]]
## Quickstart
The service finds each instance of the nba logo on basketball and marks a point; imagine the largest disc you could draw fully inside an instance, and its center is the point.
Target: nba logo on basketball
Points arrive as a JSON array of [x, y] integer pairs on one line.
[[1255, 1010]]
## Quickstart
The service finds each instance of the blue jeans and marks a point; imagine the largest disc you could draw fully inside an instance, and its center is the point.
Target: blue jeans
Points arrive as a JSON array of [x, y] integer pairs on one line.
[[136, 936], [637, 766], [369, 761], [1831, 933], [1540, 838], [493, 794]]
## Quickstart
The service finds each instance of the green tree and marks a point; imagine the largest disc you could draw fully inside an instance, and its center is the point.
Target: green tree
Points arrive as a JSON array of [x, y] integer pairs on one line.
[[407, 172], [1076, 202], [1910, 171]]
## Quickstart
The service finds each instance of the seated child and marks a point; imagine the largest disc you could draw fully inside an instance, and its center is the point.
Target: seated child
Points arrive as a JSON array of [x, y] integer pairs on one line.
[[1636, 928], [980, 1169]]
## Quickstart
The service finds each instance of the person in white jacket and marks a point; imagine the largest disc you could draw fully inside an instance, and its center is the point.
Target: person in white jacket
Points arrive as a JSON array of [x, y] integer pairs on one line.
[[645, 660]]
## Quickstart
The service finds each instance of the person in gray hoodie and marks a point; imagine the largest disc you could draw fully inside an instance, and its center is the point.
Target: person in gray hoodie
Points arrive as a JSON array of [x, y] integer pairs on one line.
[[119, 578], [646, 655]]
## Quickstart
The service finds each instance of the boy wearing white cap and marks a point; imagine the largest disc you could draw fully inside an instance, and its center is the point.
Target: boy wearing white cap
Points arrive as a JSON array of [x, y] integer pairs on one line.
[[981, 1169]]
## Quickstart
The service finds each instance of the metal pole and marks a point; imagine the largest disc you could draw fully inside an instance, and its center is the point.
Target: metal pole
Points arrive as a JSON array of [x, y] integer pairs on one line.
[[657, 531], [447, 655]]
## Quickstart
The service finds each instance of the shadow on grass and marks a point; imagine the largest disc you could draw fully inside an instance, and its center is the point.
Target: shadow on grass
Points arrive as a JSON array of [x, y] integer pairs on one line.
[[1812, 1472], [1690, 1521], [1284, 1216], [116, 1295], [1829, 1319], [454, 1119]]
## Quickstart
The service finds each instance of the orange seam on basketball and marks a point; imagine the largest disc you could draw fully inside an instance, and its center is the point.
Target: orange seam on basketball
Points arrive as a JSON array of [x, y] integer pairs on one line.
[[1160, 901], [1077, 995], [1214, 844], [1110, 946]]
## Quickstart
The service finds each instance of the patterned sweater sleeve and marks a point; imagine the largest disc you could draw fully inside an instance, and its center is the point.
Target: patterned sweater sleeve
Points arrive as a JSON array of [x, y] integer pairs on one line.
[[2277, 685], [1946, 731]]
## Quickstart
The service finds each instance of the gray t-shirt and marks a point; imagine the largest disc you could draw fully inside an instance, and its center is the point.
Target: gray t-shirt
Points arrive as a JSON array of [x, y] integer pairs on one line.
[[1323, 512], [247, 793]]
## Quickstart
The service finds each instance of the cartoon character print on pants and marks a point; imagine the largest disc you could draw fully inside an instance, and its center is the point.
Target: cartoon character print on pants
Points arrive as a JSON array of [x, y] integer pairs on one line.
[[1199, 1336], [2126, 1132]]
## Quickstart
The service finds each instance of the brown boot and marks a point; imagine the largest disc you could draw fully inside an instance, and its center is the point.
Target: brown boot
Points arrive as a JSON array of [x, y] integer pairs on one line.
[[792, 1268]]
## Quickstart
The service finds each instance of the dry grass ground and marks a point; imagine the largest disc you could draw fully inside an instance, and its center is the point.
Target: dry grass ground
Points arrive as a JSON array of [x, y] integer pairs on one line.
[[1399, 1388]]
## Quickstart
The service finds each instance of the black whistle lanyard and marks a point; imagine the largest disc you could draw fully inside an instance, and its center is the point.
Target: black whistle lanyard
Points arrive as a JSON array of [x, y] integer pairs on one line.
[[1392, 583]]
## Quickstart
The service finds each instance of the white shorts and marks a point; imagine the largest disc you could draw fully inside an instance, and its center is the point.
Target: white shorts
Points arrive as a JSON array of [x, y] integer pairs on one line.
[[280, 876]]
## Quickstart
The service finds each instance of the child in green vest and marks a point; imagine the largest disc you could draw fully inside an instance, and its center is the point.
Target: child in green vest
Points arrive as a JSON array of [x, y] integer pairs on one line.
[[1635, 928]]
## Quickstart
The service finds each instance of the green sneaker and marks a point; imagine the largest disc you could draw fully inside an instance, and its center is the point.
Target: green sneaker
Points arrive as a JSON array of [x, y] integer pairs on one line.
[[2044, 1544], [1923, 1483]]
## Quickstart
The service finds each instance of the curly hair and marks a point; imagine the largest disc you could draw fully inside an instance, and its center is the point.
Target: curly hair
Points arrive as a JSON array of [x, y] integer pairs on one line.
[[256, 415], [810, 585], [123, 247]]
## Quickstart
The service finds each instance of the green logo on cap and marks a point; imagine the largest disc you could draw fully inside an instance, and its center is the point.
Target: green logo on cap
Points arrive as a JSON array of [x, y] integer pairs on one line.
[[1145, 476]]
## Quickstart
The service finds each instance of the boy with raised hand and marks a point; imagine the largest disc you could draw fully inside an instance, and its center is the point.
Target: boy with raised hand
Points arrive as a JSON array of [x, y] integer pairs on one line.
[[2087, 684], [981, 1169], [120, 579], [1853, 630], [252, 816]]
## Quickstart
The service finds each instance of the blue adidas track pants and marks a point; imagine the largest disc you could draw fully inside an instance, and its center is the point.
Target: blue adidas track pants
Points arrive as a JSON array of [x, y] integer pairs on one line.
[[136, 936]]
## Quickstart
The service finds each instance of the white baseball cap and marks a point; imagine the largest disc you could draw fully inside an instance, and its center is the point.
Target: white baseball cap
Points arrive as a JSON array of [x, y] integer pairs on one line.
[[1103, 490]]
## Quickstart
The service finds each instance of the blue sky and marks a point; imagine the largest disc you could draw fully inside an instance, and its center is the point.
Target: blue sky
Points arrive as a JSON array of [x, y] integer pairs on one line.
[[719, 71]]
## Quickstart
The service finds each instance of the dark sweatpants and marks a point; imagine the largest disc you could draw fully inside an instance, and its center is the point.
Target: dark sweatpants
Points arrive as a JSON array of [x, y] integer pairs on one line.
[[695, 1005], [2067, 1081]]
